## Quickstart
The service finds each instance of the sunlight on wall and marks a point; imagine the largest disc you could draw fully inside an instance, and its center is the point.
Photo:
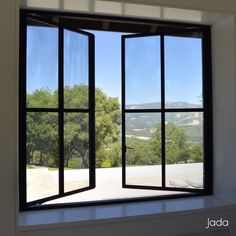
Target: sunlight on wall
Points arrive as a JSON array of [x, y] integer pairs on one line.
[[142, 10], [181, 14], [82, 5], [108, 7], [52, 4], [125, 9]]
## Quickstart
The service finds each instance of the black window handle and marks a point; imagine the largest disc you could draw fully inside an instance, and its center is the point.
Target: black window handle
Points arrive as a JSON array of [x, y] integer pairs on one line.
[[126, 147]]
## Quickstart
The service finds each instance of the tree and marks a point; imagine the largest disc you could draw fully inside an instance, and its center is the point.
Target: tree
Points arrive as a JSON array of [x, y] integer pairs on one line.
[[42, 131], [196, 152], [42, 134], [42, 98], [115, 155], [76, 139], [76, 96], [176, 143], [42, 146], [140, 152], [107, 125]]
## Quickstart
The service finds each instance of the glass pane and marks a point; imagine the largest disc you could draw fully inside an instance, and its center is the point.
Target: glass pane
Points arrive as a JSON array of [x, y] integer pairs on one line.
[[143, 149], [183, 72], [76, 151], [184, 149], [142, 72], [75, 70], [42, 155], [42, 67]]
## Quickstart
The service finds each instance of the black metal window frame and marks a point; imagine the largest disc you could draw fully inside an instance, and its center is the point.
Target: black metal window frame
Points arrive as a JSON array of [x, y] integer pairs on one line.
[[60, 110], [140, 28], [206, 110]]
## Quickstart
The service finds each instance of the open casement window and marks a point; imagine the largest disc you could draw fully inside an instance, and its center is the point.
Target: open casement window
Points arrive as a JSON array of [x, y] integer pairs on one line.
[[150, 77], [166, 105], [53, 59]]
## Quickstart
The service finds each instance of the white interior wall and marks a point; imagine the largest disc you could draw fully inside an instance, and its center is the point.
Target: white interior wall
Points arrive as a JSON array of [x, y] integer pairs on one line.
[[224, 114], [224, 108], [209, 5], [126, 9], [8, 116]]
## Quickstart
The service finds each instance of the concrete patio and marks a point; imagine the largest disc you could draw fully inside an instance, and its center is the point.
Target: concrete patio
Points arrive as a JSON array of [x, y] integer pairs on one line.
[[42, 182]]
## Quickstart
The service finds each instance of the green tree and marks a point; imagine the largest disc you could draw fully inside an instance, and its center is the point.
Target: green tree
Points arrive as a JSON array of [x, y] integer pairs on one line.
[[176, 144], [42, 146], [76, 140], [115, 155], [107, 125], [42, 133], [42, 98], [140, 152], [195, 152], [76, 96]]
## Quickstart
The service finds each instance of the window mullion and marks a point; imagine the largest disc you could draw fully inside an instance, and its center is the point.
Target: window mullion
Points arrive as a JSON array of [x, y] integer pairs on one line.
[[22, 114], [123, 112], [91, 110], [61, 107], [163, 153], [207, 106]]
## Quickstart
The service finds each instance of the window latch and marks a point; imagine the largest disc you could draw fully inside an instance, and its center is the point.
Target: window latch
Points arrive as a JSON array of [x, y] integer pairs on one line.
[[126, 147]]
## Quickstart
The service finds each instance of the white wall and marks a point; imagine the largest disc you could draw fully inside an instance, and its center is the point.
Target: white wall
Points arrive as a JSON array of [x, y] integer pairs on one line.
[[224, 108], [8, 116], [224, 126], [211, 5]]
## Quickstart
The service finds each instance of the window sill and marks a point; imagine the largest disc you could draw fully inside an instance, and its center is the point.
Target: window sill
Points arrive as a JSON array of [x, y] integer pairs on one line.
[[34, 220]]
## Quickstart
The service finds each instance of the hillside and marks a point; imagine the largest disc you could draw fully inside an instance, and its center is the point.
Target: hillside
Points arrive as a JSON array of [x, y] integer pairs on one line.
[[142, 124], [157, 105]]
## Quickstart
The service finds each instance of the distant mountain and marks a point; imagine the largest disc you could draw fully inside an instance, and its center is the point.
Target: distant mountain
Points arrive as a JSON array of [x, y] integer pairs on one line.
[[143, 124], [157, 105]]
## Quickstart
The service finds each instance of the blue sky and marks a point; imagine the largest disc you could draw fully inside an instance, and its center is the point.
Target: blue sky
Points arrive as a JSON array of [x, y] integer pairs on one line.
[[183, 68]]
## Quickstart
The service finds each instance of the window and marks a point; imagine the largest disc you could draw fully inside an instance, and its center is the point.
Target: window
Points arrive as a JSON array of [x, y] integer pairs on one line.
[[81, 146]]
